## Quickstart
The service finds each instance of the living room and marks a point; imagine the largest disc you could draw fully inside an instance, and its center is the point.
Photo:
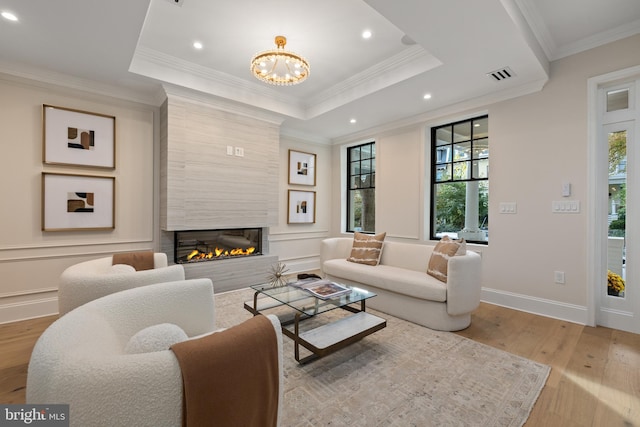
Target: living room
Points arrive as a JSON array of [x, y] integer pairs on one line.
[[540, 139]]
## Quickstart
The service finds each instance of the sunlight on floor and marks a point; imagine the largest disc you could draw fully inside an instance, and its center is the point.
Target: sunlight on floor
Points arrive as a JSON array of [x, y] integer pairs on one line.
[[616, 400]]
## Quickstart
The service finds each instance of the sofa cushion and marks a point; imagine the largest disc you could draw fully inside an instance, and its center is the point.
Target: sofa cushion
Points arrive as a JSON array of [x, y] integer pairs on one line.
[[439, 261], [366, 248], [155, 338], [415, 284]]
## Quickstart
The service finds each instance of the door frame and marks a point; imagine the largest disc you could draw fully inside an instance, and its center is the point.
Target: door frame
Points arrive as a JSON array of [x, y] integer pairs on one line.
[[597, 193]]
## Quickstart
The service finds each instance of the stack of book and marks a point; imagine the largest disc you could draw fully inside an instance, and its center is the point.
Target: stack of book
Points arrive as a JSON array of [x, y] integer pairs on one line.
[[321, 288]]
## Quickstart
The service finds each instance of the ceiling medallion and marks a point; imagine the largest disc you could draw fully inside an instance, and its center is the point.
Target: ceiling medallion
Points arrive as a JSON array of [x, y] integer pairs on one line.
[[280, 67]]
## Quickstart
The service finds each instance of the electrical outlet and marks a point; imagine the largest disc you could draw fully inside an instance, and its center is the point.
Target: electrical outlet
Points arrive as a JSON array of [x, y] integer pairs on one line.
[[559, 277], [229, 150]]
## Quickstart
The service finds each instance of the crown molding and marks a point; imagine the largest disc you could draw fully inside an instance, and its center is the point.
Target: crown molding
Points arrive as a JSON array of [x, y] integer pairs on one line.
[[43, 77], [596, 40], [304, 137], [480, 102], [222, 104], [409, 63], [538, 27], [166, 68]]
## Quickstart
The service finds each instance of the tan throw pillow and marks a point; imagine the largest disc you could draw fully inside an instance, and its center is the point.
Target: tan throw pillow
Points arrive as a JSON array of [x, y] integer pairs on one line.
[[439, 261], [366, 248], [138, 260]]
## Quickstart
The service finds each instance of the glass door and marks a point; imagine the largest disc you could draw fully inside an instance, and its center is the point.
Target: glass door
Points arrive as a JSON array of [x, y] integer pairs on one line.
[[618, 294]]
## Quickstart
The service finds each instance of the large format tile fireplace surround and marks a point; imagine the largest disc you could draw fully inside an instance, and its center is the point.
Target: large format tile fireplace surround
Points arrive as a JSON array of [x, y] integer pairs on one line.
[[202, 188], [232, 258]]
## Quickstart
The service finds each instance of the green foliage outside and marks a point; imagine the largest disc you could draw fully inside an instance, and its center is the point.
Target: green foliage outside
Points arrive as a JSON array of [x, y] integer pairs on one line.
[[617, 154], [450, 206]]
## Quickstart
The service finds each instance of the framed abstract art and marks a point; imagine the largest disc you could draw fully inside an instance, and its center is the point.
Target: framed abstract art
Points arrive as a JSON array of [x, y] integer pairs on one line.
[[75, 137], [77, 202]]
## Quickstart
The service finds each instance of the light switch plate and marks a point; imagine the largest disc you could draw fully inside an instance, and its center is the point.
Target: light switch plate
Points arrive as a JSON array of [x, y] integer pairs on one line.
[[565, 206], [508, 207]]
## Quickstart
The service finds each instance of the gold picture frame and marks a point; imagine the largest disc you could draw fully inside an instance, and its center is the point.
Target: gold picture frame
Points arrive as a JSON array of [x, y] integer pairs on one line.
[[301, 207], [77, 202], [302, 168], [79, 138]]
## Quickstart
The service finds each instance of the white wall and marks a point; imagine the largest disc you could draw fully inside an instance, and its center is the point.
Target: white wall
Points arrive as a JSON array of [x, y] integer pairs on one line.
[[298, 245], [537, 142], [31, 260]]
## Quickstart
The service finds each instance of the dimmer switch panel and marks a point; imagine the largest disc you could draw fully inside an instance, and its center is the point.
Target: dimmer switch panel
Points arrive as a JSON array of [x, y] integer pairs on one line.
[[508, 207], [566, 206]]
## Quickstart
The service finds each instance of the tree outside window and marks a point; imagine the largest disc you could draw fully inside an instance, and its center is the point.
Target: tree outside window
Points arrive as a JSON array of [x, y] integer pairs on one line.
[[361, 206], [460, 177]]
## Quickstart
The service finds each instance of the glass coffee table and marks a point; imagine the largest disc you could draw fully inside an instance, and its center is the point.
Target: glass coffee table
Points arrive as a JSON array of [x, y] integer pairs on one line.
[[293, 305]]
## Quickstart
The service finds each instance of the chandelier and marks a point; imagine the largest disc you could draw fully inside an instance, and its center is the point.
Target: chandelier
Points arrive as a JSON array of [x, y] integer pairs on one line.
[[280, 67]]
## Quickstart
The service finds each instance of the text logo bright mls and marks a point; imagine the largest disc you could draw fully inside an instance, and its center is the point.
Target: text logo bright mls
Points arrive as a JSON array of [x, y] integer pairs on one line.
[[34, 415]]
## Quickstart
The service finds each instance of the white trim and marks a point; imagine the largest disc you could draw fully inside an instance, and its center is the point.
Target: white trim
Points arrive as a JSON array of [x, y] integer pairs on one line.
[[596, 267], [618, 319], [15, 312], [539, 306]]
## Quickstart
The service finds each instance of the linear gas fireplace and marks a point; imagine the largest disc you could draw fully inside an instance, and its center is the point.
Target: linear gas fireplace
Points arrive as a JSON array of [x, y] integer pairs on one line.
[[208, 245]]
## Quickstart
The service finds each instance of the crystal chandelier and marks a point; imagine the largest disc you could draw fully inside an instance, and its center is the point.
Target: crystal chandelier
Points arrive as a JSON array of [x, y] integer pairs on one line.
[[280, 67]]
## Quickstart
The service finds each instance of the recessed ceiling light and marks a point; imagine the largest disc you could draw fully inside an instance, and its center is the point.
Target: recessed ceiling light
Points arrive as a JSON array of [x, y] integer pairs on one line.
[[427, 96], [366, 34], [352, 121], [197, 45], [9, 16]]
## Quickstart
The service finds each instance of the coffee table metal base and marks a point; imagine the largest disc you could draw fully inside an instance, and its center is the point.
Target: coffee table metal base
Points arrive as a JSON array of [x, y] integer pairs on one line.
[[327, 338]]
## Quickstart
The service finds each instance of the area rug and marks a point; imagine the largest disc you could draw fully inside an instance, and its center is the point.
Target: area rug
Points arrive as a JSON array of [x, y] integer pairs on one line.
[[403, 375]]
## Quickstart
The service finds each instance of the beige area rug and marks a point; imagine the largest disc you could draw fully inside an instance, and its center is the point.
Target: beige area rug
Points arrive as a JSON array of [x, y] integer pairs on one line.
[[403, 375]]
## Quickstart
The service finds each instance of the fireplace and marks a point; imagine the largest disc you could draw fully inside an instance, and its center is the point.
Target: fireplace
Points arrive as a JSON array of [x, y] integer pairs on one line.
[[193, 246]]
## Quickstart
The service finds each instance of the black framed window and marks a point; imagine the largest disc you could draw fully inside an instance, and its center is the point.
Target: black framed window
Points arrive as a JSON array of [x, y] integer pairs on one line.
[[460, 178], [361, 188]]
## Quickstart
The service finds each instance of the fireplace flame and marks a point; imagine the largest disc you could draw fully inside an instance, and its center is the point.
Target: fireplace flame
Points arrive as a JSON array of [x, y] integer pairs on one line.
[[217, 253]]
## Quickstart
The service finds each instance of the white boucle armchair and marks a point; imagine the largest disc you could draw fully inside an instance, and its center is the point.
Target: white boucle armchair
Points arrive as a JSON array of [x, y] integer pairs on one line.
[[82, 358], [89, 280]]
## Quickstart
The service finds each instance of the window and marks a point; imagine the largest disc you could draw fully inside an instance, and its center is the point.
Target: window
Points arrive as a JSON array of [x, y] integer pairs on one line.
[[361, 188], [460, 177]]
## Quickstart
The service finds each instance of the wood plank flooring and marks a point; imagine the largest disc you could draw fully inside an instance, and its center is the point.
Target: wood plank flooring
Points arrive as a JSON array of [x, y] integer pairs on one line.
[[595, 375], [594, 381]]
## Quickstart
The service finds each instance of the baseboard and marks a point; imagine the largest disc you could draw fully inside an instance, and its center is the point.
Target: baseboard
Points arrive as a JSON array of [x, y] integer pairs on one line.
[[24, 310], [301, 265], [540, 306]]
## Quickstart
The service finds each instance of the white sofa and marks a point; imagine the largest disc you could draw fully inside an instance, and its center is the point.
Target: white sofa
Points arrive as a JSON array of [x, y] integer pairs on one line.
[[89, 280], [403, 287], [81, 359]]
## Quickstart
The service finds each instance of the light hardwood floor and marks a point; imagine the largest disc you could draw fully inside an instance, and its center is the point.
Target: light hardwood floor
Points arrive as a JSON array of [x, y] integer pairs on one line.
[[594, 381]]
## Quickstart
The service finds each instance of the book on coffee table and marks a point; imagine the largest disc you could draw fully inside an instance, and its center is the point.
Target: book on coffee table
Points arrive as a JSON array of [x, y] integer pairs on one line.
[[323, 289]]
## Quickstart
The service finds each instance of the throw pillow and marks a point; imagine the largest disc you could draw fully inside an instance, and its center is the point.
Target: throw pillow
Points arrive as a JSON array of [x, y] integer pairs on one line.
[[120, 269], [366, 248], [139, 260], [155, 338], [439, 261]]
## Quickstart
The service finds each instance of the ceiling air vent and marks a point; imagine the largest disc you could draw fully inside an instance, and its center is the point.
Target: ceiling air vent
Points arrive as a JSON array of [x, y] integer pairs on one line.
[[501, 74]]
